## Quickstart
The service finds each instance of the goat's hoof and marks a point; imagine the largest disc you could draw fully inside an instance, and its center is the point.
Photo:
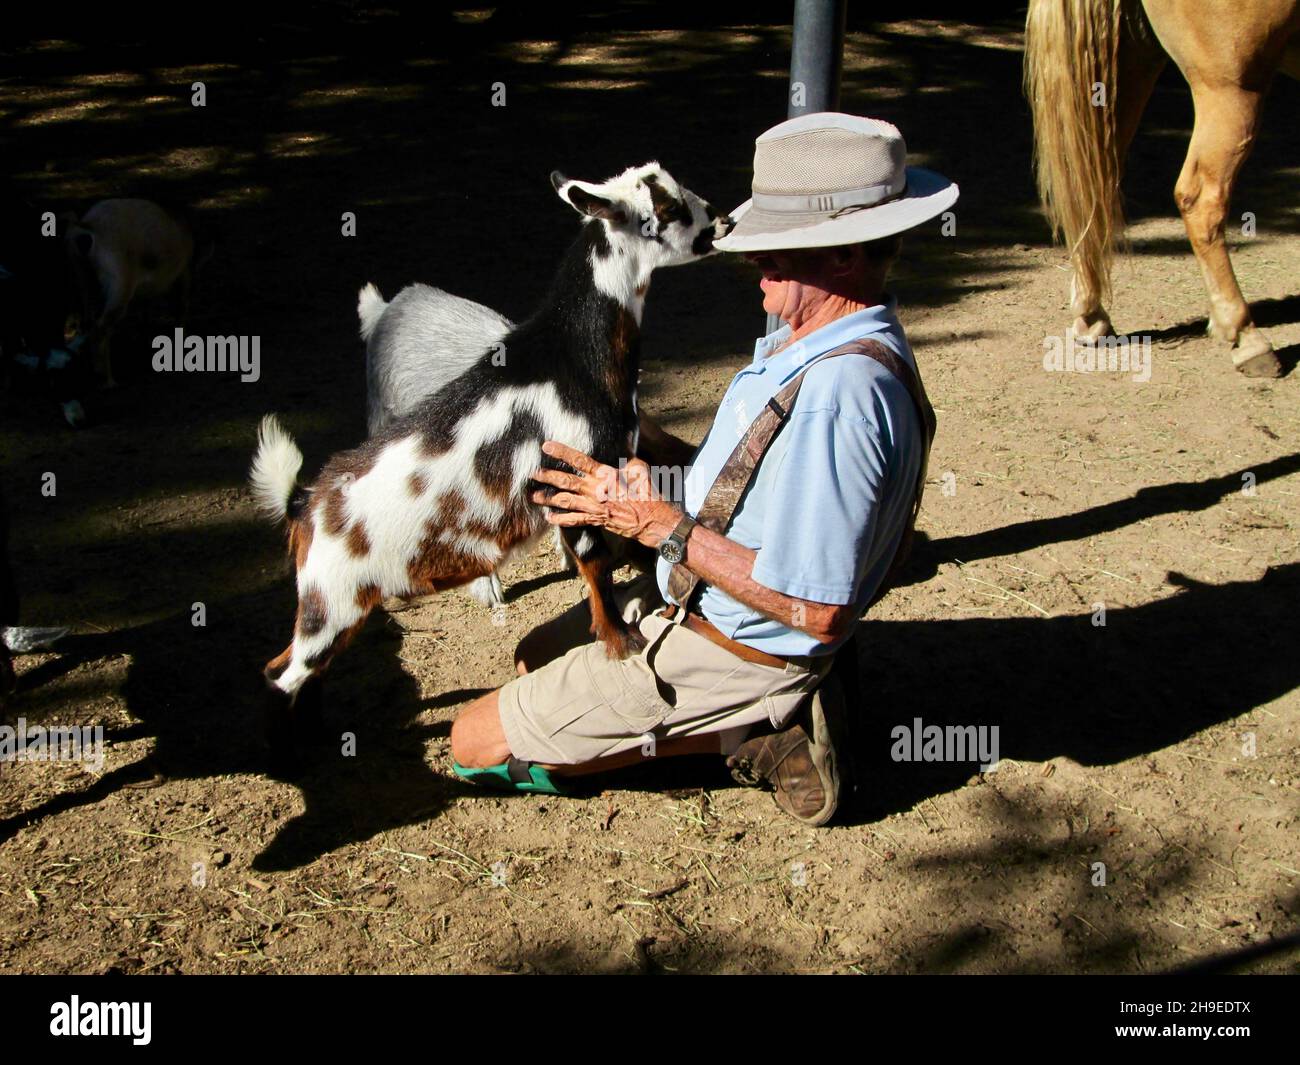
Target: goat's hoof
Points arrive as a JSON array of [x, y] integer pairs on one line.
[[487, 590], [625, 644]]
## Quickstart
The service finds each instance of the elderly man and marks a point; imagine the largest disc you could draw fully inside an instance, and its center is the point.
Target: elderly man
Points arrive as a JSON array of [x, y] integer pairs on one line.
[[796, 506]]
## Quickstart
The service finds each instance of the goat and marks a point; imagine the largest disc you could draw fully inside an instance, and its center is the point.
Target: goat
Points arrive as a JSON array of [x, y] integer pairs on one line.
[[414, 345], [441, 497], [125, 250]]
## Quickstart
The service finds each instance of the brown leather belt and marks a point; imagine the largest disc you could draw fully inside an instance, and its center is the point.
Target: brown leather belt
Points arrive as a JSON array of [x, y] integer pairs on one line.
[[710, 632]]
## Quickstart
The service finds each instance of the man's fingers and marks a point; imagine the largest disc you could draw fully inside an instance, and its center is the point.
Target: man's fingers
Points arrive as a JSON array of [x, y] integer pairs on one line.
[[569, 501], [575, 458], [570, 482], [572, 517]]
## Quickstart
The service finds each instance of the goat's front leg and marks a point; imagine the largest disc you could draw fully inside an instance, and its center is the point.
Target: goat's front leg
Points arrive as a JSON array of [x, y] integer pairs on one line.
[[596, 563], [294, 676]]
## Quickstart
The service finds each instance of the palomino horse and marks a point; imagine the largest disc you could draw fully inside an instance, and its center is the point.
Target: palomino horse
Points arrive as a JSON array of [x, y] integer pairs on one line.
[[1090, 66]]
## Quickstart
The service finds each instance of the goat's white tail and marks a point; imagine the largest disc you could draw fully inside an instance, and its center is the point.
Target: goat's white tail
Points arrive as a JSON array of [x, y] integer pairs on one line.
[[274, 476], [370, 308]]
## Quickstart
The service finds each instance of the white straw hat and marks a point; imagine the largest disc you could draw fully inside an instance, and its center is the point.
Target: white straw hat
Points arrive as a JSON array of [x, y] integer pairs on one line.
[[826, 179]]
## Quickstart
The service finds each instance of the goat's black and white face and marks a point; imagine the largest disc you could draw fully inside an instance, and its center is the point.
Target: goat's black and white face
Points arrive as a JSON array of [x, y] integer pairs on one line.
[[649, 221]]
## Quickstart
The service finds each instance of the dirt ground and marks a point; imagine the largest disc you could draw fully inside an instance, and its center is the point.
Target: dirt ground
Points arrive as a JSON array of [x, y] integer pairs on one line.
[[1161, 744]]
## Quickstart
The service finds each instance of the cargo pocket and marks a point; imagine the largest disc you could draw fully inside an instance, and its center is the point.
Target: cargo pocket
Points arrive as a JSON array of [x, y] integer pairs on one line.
[[627, 690], [692, 674], [561, 717]]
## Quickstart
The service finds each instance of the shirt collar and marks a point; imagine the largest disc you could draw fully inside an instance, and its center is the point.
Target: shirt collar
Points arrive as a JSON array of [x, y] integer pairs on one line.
[[877, 319]]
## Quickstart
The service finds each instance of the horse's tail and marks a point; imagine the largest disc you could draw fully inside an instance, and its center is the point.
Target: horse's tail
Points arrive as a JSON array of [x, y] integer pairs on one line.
[[1071, 76]]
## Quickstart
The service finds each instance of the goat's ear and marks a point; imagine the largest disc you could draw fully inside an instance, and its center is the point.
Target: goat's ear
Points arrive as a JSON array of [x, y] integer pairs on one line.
[[579, 196]]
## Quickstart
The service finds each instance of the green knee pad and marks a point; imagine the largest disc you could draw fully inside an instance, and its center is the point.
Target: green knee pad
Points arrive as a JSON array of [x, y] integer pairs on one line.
[[513, 775]]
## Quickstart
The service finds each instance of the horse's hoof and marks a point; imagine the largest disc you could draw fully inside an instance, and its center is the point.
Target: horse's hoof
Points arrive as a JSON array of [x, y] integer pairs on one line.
[[1265, 364], [1255, 358], [1085, 332]]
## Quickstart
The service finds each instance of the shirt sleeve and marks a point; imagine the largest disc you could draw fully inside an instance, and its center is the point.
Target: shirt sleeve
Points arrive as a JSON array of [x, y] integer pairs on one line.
[[821, 516]]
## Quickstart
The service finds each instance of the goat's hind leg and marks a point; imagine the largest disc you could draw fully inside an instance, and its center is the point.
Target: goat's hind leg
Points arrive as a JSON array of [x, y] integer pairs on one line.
[[591, 554]]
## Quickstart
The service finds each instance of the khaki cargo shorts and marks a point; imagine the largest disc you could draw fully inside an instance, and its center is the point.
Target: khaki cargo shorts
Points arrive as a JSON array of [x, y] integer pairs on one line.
[[582, 705]]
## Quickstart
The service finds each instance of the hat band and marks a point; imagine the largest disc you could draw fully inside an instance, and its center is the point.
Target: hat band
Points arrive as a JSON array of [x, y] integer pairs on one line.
[[827, 202]]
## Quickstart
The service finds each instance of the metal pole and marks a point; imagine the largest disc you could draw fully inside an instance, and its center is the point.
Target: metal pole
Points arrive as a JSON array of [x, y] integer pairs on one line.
[[816, 62], [816, 56]]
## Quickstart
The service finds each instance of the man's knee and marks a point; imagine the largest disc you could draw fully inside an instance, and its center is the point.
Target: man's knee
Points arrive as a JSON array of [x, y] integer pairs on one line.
[[477, 738], [463, 749]]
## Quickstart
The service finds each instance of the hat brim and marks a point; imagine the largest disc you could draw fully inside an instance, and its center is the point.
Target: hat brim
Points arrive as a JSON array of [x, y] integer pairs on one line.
[[927, 195]]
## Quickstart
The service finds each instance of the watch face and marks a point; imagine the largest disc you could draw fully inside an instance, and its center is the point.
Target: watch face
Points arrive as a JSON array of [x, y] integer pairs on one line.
[[671, 550]]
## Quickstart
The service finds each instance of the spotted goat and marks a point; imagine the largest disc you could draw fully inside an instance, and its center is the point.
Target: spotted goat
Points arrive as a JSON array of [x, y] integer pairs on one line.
[[440, 497]]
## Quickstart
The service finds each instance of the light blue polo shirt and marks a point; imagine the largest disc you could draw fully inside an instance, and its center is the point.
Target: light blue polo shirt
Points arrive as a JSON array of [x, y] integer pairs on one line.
[[829, 503]]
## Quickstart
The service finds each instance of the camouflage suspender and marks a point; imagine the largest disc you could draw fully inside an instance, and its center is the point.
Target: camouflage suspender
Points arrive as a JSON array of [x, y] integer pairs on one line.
[[723, 498]]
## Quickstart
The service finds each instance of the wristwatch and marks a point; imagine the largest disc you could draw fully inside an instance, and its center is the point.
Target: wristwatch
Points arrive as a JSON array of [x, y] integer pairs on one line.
[[673, 550]]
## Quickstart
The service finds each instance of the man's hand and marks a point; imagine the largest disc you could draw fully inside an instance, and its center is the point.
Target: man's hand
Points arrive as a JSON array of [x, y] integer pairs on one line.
[[622, 501]]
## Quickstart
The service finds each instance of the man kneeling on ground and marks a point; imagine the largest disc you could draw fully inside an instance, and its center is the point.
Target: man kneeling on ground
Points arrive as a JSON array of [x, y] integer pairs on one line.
[[794, 512]]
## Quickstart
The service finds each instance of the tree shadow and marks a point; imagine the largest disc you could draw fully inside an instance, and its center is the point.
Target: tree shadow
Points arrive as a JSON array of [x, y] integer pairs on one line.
[[1152, 676], [199, 694], [1149, 502]]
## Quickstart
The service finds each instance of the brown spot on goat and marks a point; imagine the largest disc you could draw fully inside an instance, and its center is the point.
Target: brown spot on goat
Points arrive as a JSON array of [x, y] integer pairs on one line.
[[341, 471], [312, 612], [321, 659], [667, 207], [432, 445], [517, 526], [358, 541], [416, 484], [334, 515], [438, 564], [300, 542], [368, 597], [278, 664], [625, 347], [451, 508], [494, 462]]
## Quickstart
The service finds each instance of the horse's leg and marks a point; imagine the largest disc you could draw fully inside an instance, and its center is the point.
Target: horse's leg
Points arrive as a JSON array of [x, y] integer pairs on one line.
[[1227, 118], [1141, 59], [1229, 55]]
